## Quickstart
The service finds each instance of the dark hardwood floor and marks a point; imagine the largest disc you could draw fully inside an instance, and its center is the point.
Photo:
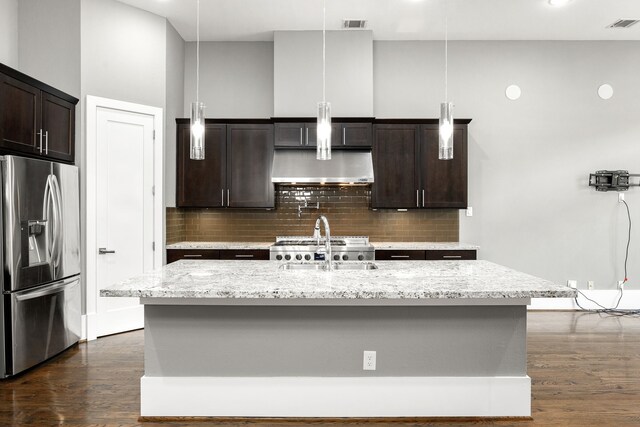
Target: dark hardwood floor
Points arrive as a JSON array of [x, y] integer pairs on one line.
[[585, 371]]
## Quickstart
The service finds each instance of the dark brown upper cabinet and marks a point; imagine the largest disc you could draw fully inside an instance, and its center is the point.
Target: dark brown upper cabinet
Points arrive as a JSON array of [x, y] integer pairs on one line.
[[236, 171], [302, 134], [408, 173], [202, 183], [36, 120]]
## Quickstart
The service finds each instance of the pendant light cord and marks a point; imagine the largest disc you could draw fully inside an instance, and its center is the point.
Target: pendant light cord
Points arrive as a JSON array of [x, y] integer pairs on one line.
[[324, 48], [446, 54], [198, 52]]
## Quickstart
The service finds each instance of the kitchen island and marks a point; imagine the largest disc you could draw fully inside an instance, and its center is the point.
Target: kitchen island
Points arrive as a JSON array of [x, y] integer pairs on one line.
[[247, 338]]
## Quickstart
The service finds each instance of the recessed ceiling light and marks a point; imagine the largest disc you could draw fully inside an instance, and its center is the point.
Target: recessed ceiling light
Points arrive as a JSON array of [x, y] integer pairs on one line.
[[558, 3]]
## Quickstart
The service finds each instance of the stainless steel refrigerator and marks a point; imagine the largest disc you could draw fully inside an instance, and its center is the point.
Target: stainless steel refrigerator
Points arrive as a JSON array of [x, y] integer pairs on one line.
[[40, 314]]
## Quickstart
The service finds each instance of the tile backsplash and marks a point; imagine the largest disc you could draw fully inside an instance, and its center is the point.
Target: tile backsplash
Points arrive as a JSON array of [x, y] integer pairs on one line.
[[347, 208]]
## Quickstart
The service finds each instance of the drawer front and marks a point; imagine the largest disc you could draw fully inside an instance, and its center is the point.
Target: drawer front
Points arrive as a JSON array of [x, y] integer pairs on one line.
[[244, 254], [399, 255], [178, 254], [450, 255]]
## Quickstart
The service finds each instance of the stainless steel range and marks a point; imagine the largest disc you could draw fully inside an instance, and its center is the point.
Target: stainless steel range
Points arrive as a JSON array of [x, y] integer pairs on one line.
[[306, 248]]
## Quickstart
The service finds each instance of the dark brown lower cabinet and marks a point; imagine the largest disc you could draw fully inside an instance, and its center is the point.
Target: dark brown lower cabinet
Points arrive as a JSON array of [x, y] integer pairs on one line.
[[429, 255], [226, 254]]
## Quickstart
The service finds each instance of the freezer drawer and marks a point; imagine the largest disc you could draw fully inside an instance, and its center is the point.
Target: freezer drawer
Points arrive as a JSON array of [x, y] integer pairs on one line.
[[44, 321]]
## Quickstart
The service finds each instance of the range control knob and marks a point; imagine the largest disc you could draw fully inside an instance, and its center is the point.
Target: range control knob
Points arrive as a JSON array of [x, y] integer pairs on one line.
[[336, 257], [307, 257], [345, 257], [298, 257], [279, 257], [287, 257], [360, 257]]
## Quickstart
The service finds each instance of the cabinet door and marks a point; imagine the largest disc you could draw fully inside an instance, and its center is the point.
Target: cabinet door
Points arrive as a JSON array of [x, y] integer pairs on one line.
[[444, 181], [244, 254], [399, 255], [174, 255], [356, 134], [289, 135], [311, 135], [450, 255], [395, 166], [202, 183], [58, 123], [249, 165], [19, 116]]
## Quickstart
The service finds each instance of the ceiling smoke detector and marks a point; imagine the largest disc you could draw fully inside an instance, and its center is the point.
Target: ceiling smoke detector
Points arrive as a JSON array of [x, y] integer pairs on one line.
[[354, 23], [623, 23]]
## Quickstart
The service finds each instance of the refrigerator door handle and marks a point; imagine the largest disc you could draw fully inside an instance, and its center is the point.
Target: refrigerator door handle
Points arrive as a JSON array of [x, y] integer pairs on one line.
[[57, 195], [48, 290]]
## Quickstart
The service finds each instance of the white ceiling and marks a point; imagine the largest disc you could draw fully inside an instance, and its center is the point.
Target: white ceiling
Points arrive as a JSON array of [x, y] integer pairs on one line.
[[250, 20]]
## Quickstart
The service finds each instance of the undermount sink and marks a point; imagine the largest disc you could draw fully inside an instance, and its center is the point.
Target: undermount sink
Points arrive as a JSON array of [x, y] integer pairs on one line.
[[335, 266]]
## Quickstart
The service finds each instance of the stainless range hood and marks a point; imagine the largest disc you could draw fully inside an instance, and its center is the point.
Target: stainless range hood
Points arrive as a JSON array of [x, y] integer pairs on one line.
[[301, 167]]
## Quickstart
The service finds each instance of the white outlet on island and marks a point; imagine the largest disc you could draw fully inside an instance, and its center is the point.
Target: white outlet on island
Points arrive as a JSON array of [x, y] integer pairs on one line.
[[369, 362]]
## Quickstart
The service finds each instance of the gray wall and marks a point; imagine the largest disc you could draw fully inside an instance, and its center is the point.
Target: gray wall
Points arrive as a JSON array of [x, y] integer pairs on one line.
[[529, 159], [9, 32], [49, 42], [236, 79], [298, 73], [123, 53], [174, 104]]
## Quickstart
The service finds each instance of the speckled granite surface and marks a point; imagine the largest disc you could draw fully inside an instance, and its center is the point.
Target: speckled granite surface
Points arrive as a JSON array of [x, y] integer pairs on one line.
[[220, 245], [417, 246], [393, 280], [377, 245]]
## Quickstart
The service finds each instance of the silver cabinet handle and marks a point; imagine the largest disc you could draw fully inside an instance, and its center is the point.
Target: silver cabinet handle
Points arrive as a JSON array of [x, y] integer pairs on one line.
[[192, 256], [399, 256], [307, 137], [301, 136], [103, 251], [222, 189], [40, 134], [452, 256], [344, 136], [244, 256], [228, 199], [417, 198], [46, 142], [423, 197]]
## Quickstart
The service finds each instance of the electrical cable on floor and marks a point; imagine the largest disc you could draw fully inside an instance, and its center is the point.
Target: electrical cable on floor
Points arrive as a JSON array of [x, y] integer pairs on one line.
[[614, 311]]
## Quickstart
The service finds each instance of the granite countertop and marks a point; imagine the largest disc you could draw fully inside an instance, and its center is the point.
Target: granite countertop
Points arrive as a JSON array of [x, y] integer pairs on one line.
[[220, 245], [393, 280], [421, 246], [376, 245]]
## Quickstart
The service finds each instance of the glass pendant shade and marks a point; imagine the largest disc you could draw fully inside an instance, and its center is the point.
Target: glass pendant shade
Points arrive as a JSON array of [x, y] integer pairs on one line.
[[196, 148], [445, 146], [324, 131]]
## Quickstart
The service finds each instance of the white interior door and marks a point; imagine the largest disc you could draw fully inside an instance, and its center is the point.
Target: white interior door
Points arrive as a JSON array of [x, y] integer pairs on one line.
[[125, 211]]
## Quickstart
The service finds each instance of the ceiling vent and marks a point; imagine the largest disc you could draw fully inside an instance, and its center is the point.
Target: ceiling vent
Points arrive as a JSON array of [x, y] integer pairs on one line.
[[623, 23], [353, 23]]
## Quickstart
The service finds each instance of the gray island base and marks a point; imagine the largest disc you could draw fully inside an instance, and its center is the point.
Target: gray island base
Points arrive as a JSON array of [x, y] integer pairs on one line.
[[244, 338]]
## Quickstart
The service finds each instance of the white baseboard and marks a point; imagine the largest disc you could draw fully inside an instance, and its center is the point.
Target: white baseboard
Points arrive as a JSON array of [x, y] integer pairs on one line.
[[608, 298], [330, 397]]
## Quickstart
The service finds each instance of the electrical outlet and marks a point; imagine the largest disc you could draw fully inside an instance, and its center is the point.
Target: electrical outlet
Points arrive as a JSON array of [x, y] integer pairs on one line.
[[590, 284], [369, 361], [469, 211], [572, 284], [620, 197], [620, 284]]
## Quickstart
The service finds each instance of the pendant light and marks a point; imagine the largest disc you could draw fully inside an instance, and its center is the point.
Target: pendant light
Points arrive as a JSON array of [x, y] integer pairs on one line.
[[323, 130], [445, 145], [196, 146]]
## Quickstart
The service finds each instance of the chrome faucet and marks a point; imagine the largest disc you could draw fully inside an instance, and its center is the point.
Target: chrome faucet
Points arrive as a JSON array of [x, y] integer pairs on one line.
[[327, 244]]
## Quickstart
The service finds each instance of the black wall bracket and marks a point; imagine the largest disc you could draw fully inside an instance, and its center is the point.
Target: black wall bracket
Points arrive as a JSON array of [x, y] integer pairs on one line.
[[613, 180]]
